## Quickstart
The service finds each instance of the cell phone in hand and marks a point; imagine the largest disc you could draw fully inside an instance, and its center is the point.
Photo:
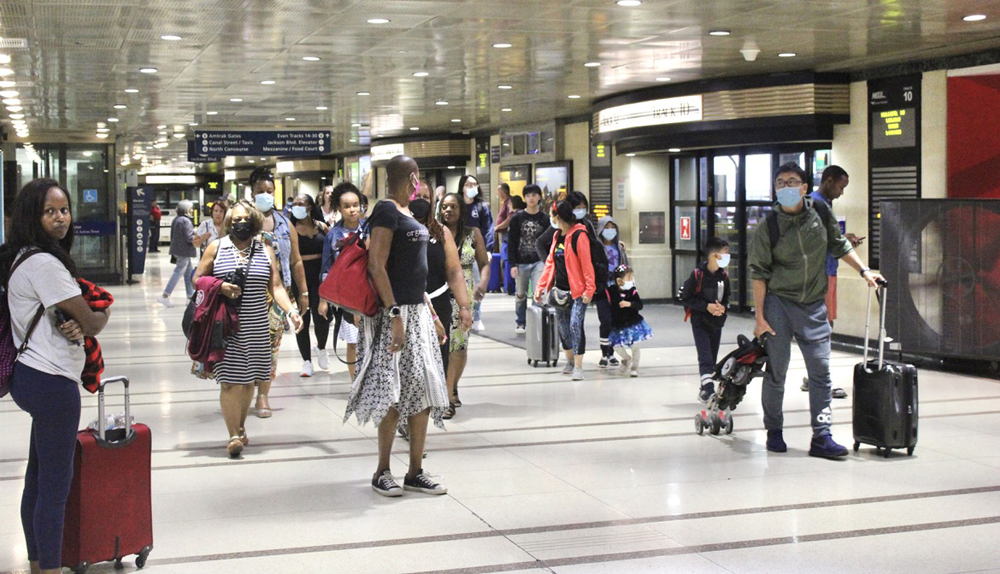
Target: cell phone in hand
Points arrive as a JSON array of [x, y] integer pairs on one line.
[[62, 317]]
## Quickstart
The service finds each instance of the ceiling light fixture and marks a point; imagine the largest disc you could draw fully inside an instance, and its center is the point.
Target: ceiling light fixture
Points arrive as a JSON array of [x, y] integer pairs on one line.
[[378, 21], [6, 72], [321, 108], [786, 55], [102, 136], [506, 110], [441, 103], [630, 155], [355, 125], [211, 113], [236, 100], [364, 93], [310, 58], [421, 74], [502, 45], [505, 87], [161, 127], [629, 3], [12, 101], [148, 70], [663, 79], [573, 97], [289, 119], [267, 82], [17, 116], [10, 93], [456, 121], [414, 129], [120, 106], [103, 129], [974, 17], [592, 64], [4, 59], [14, 108], [7, 84], [353, 140], [131, 91], [719, 33], [193, 124], [178, 136], [674, 150], [113, 120], [170, 38]]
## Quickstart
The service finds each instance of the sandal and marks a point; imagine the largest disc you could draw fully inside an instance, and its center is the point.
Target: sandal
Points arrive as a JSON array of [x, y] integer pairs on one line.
[[265, 411], [243, 437], [839, 393], [449, 412], [456, 402], [235, 447]]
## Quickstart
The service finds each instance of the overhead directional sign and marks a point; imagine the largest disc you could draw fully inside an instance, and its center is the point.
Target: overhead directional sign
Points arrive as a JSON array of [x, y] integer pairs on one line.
[[276, 143]]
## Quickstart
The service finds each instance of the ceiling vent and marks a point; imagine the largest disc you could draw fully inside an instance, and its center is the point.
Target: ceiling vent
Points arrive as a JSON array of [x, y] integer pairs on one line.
[[13, 43]]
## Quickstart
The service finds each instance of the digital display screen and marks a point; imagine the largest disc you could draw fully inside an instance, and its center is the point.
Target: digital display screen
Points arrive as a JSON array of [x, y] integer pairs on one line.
[[894, 128]]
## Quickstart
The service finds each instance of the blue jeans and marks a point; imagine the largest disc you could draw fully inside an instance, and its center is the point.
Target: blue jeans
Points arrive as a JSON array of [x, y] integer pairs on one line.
[[809, 326], [528, 275], [184, 267], [571, 326], [54, 405]]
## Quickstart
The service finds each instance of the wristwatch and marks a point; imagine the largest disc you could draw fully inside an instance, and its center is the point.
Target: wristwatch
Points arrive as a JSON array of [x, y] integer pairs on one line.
[[865, 270], [395, 311]]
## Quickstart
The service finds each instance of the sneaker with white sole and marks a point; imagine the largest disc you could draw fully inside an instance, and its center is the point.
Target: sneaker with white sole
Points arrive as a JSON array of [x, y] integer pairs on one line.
[[307, 369], [386, 485], [577, 374], [568, 369], [612, 362], [519, 330], [478, 326], [603, 363], [165, 302], [634, 372], [422, 482], [322, 358]]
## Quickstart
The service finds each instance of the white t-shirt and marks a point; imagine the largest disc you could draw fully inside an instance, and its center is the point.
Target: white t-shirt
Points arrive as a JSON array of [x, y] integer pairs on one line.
[[44, 279], [207, 225]]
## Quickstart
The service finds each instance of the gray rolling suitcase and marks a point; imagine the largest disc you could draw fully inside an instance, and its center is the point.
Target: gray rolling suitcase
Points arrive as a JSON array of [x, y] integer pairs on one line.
[[542, 336]]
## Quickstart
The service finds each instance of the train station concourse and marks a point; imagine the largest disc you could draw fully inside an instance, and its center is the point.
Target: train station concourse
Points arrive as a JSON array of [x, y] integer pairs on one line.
[[723, 294]]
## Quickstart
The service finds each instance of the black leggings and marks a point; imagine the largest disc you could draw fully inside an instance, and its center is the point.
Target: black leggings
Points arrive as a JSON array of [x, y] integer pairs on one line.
[[322, 323], [442, 308], [604, 315]]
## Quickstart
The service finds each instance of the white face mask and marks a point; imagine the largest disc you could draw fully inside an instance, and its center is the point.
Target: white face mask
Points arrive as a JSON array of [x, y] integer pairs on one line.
[[609, 233], [472, 192], [724, 260], [628, 285], [554, 223], [580, 213]]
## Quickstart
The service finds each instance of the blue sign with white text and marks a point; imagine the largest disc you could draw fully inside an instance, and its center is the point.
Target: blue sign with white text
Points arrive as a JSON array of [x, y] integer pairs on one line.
[[274, 143], [90, 196], [140, 205]]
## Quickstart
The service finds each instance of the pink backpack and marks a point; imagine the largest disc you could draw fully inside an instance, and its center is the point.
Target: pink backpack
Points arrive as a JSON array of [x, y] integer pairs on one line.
[[8, 352]]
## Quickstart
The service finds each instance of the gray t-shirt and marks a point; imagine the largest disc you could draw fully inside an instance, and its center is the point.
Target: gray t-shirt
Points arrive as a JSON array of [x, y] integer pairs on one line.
[[181, 238], [43, 279]]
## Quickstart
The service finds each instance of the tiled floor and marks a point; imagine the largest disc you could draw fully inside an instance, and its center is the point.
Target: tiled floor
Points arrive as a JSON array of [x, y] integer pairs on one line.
[[544, 474]]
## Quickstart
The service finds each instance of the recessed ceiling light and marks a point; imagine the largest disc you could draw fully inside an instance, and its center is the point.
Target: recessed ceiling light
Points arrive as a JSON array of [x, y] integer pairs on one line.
[[170, 38], [211, 113], [178, 136], [719, 33], [786, 55], [414, 129], [310, 58], [456, 121], [629, 3], [378, 21], [401, 52], [353, 140], [102, 136], [441, 103], [663, 79], [148, 70], [4, 59], [268, 82], [321, 108], [99, 130], [193, 124], [113, 120], [364, 93], [162, 133], [630, 155], [6, 72], [421, 74], [14, 108], [592, 64], [12, 101], [974, 17], [131, 91], [502, 45], [17, 116], [289, 119], [505, 87], [235, 99], [161, 127], [7, 84], [674, 150], [120, 106], [506, 110], [355, 125], [10, 93], [251, 161], [573, 97]]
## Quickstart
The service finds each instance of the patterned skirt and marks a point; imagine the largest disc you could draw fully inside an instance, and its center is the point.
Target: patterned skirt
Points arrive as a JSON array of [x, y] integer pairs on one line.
[[411, 380], [628, 336]]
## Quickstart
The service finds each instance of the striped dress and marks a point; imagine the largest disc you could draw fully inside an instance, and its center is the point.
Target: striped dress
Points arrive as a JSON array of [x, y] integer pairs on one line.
[[248, 355]]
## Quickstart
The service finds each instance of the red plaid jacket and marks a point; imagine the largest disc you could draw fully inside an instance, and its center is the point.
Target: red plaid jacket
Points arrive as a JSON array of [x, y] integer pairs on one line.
[[98, 299]]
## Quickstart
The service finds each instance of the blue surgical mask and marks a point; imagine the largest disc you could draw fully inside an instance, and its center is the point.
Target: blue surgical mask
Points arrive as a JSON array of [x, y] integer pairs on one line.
[[724, 260], [264, 202], [580, 213], [789, 196], [300, 212], [554, 223], [609, 234], [472, 192]]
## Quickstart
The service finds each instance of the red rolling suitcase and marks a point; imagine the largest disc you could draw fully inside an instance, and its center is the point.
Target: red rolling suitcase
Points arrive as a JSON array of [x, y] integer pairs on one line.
[[109, 512], [885, 396]]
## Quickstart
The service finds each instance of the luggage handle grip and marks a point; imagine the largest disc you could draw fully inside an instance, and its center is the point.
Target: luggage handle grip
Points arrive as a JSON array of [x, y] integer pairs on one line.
[[102, 423]]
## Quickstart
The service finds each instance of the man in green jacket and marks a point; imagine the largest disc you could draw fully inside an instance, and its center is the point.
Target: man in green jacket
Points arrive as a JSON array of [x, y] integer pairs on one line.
[[789, 290]]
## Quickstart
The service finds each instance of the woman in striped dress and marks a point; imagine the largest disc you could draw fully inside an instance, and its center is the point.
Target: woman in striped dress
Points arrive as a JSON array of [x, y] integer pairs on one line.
[[248, 356]]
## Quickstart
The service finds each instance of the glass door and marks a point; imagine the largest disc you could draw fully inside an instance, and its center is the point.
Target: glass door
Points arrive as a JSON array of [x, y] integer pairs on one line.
[[689, 214]]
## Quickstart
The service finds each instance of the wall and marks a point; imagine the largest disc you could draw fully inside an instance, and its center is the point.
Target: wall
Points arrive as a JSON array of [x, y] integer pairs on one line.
[[850, 151], [576, 147], [647, 188]]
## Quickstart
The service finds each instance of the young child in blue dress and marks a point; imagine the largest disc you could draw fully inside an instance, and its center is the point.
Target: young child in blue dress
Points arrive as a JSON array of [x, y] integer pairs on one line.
[[628, 328]]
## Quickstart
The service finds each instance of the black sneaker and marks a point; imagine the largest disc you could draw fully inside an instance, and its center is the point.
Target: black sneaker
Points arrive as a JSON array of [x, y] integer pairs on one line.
[[824, 447], [612, 362], [776, 442], [706, 392], [386, 485], [422, 483], [603, 363]]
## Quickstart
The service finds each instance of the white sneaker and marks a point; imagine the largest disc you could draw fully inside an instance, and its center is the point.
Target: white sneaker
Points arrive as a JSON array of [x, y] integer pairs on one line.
[[568, 369], [577, 374], [623, 367], [165, 302], [519, 330], [635, 372], [307, 369], [478, 326], [322, 358]]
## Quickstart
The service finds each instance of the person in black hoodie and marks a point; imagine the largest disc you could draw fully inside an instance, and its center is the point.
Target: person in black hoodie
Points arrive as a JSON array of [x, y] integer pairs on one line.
[[628, 328], [706, 296]]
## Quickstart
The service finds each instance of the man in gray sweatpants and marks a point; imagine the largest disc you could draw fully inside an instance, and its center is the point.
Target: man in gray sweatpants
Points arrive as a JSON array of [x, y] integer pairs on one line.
[[789, 290]]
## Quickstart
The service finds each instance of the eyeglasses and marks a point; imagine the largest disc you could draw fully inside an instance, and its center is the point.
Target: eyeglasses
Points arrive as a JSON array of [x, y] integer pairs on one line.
[[781, 184]]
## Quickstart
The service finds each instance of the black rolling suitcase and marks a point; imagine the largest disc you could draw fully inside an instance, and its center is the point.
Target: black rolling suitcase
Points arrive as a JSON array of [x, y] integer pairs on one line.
[[542, 336], [885, 395]]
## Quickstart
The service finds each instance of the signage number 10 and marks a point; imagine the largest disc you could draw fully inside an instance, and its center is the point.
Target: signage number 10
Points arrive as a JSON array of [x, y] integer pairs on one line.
[[908, 95]]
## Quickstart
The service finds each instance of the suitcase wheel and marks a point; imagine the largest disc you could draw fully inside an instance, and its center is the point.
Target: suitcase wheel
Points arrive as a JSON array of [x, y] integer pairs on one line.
[[857, 445], [885, 452], [699, 425], [81, 568], [140, 559], [909, 450]]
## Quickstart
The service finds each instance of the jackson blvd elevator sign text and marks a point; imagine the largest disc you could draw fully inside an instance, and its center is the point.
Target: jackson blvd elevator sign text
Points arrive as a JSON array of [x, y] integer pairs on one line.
[[276, 143]]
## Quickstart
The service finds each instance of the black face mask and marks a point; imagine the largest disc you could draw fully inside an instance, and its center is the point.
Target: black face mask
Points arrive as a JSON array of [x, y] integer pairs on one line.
[[420, 208], [242, 230]]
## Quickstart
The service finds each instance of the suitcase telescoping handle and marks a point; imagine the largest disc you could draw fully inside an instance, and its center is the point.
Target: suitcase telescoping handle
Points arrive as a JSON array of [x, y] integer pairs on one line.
[[102, 423], [879, 293]]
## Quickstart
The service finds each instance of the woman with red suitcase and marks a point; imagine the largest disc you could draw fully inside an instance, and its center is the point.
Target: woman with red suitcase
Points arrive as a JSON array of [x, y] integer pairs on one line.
[[41, 283]]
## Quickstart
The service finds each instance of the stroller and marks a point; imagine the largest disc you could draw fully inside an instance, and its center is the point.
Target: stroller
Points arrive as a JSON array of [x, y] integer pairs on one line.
[[732, 375]]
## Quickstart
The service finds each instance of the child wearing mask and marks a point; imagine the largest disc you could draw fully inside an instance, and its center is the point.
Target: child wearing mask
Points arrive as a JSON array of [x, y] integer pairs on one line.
[[628, 328], [614, 251], [705, 294]]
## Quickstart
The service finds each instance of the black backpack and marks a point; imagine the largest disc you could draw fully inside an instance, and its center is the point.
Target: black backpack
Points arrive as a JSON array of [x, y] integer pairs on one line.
[[598, 258], [774, 234]]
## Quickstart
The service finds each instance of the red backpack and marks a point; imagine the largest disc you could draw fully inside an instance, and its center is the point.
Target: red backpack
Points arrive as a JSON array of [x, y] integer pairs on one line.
[[8, 352], [698, 274]]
